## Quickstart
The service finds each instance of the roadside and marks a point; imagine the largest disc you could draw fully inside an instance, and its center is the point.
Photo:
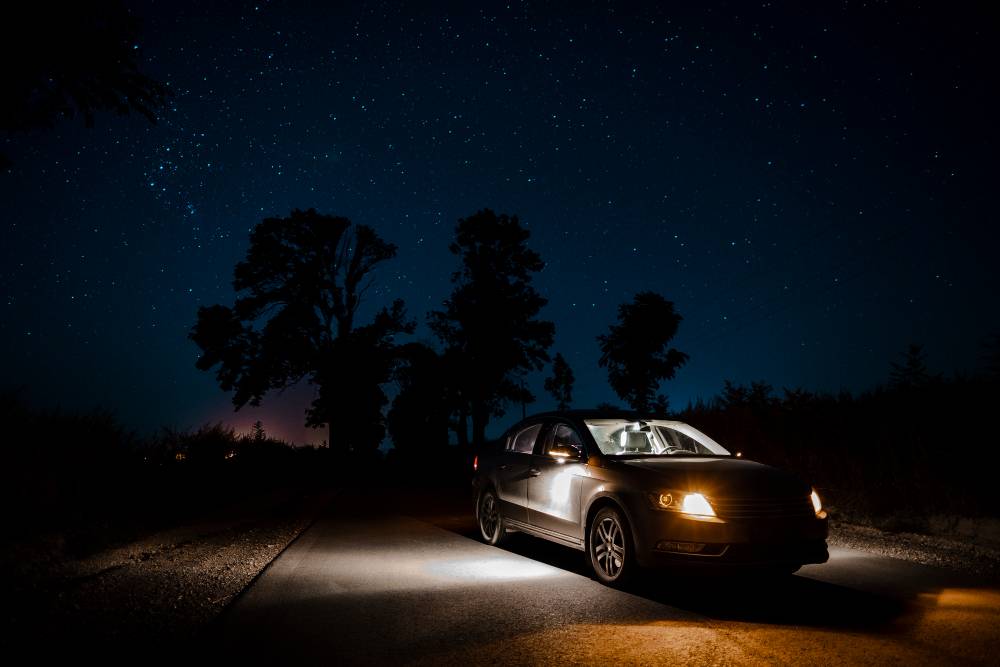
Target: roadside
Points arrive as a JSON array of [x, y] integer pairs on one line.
[[157, 591], [166, 588], [954, 553]]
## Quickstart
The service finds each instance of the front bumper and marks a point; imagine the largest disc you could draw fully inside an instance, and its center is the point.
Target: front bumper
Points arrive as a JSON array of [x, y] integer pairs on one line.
[[667, 538]]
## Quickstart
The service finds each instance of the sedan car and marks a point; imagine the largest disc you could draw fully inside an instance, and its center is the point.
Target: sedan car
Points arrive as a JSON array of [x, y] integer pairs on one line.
[[633, 491]]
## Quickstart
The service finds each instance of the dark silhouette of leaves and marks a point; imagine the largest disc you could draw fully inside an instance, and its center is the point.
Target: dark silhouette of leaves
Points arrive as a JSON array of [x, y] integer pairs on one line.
[[72, 59], [912, 373], [489, 323], [635, 351], [560, 383], [419, 418], [298, 291]]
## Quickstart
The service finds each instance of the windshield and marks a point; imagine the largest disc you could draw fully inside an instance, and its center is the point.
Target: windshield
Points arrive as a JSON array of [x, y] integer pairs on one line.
[[621, 437]]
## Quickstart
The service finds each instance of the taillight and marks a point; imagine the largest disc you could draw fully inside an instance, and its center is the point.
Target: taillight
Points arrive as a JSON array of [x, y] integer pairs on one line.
[[475, 462]]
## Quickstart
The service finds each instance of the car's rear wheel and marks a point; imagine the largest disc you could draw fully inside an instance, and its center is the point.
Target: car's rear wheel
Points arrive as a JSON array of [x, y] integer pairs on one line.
[[488, 517], [609, 547]]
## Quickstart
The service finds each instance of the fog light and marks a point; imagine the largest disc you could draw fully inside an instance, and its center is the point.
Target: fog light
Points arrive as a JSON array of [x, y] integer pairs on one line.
[[681, 547]]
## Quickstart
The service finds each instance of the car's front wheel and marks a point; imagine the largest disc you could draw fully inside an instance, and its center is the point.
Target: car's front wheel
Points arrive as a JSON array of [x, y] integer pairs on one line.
[[609, 547], [488, 517]]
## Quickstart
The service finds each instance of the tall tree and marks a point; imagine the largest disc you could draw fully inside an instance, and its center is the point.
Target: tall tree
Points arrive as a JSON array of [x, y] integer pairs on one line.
[[636, 351], [490, 323], [912, 373], [72, 59], [560, 383], [419, 418], [298, 292]]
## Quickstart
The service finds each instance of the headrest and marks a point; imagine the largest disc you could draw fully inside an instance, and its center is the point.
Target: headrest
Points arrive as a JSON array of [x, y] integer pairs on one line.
[[637, 441]]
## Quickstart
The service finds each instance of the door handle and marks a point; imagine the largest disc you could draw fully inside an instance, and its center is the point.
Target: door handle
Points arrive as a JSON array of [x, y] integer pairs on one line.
[[534, 472]]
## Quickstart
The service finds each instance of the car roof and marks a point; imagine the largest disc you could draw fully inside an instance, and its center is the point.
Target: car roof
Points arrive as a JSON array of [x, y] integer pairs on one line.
[[600, 413], [582, 414]]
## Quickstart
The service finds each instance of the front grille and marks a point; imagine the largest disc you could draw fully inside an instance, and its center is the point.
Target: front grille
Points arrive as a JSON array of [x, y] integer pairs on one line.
[[763, 508]]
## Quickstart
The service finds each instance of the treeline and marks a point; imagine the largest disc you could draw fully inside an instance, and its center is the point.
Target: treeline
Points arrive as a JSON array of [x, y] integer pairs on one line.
[[918, 446], [89, 480], [296, 319]]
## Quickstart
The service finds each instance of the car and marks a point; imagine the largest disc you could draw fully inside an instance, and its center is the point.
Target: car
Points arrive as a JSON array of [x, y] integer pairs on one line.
[[635, 492]]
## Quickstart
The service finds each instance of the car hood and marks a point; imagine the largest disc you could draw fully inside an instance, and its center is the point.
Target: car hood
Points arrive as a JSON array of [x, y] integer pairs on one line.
[[720, 478]]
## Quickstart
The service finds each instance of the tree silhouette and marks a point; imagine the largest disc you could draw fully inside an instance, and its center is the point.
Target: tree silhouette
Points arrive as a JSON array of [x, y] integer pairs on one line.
[[351, 378], [298, 292], [635, 351], [258, 434], [757, 396], [560, 383], [72, 59], [912, 373], [418, 419], [489, 324]]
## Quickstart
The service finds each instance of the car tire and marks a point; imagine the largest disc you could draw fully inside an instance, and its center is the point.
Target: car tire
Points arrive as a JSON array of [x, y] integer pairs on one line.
[[489, 519], [609, 548]]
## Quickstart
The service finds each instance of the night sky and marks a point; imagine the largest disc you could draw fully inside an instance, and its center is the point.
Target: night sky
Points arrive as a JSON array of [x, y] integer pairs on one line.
[[813, 186]]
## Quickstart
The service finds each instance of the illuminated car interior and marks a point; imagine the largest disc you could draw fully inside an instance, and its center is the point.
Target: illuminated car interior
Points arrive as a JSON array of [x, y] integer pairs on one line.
[[620, 437]]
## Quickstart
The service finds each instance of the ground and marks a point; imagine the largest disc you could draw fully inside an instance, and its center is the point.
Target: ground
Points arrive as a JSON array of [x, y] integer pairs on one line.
[[172, 588]]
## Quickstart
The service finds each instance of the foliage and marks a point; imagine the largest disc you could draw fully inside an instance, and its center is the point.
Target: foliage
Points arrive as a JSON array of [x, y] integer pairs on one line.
[[912, 373], [490, 321], [635, 351], [298, 292], [73, 59], [419, 418], [560, 383], [85, 477], [351, 380], [904, 450]]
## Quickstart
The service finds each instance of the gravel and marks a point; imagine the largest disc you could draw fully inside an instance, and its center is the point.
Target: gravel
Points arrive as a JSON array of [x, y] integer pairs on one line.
[[159, 591], [955, 554], [165, 589]]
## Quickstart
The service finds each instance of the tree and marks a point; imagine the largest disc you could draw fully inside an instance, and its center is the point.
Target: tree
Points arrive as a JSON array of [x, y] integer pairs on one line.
[[489, 323], [635, 351], [560, 383], [258, 434], [418, 419], [352, 377], [298, 292], [758, 396], [912, 373], [72, 59]]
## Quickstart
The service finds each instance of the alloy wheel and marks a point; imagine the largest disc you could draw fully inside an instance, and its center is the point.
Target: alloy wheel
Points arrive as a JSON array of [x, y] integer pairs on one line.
[[608, 543], [489, 516]]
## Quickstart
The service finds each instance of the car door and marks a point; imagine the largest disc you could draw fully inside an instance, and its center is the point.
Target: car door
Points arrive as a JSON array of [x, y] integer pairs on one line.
[[555, 481], [512, 472]]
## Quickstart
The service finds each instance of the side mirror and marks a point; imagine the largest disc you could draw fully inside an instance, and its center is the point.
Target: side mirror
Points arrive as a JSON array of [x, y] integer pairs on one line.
[[565, 452]]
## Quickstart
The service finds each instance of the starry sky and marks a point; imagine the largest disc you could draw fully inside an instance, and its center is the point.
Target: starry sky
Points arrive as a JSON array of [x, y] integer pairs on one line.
[[812, 184]]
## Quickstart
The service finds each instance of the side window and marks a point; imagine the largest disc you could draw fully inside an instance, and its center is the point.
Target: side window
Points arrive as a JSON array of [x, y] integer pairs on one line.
[[524, 442], [565, 436]]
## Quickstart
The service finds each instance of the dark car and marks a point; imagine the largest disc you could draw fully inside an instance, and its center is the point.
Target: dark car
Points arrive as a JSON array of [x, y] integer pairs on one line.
[[636, 492]]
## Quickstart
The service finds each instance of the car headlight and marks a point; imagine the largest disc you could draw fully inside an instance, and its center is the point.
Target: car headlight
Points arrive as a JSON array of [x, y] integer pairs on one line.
[[817, 503], [691, 503]]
